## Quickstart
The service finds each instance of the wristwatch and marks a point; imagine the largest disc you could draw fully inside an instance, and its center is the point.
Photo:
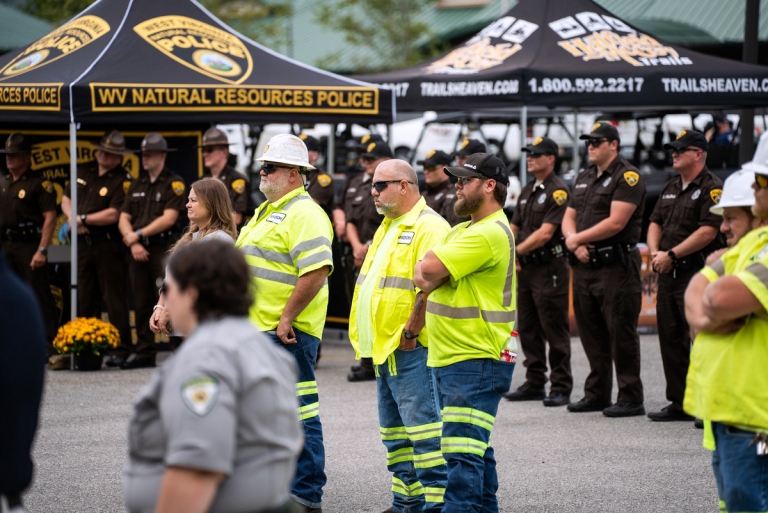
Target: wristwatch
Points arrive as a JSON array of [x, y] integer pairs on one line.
[[82, 218], [139, 232], [409, 335], [43, 251], [672, 255]]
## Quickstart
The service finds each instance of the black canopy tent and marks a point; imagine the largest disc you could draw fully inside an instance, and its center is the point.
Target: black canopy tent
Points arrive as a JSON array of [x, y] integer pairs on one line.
[[168, 62]]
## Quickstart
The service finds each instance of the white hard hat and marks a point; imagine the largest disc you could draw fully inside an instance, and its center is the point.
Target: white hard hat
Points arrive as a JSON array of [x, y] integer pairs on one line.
[[737, 191], [286, 149]]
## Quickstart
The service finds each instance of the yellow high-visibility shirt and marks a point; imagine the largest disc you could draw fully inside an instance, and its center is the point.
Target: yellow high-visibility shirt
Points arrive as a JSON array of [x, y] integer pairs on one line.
[[471, 316], [282, 242], [727, 379], [394, 293]]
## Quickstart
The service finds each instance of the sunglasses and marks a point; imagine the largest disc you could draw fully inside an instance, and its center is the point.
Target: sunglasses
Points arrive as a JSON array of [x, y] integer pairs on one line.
[[595, 142], [761, 181], [463, 179], [430, 168], [683, 150], [271, 168], [368, 160], [536, 155], [380, 186]]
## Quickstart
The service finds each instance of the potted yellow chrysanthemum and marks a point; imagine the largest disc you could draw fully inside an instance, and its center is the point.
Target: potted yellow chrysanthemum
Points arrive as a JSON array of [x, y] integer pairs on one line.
[[88, 339]]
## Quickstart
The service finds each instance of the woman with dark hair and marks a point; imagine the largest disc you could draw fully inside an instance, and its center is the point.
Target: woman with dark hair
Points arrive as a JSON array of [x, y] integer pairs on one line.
[[209, 210], [216, 429]]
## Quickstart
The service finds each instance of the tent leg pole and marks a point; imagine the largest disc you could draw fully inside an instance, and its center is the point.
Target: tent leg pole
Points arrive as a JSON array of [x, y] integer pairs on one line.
[[73, 226], [575, 160], [523, 167], [331, 161]]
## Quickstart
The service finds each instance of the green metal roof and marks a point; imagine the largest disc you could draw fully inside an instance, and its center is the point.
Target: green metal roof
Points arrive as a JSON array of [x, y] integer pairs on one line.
[[18, 28]]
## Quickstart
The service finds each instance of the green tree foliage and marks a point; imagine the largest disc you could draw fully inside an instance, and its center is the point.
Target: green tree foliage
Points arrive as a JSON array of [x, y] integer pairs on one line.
[[394, 29], [56, 11]]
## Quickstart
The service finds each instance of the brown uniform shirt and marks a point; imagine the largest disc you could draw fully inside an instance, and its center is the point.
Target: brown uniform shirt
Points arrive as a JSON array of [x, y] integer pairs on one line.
[[681, 212], [96, 193], [237, 187], [358, 206], [539, 204], [592, 197], [23, 202], [146, 201], [321, 189], [441, 199]]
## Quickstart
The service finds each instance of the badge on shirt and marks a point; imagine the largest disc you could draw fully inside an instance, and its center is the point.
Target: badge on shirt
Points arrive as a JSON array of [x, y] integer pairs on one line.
[[178, 187], [352, 190], [276, 218], [200, 395], [126, 185], [158, 197], [81, 181], [606, 182], [238, 186], [103, 191], [715, 195], [560, 197], [542, 198], [324, 180], [22, 193], [696, 194], [48, 186], [405, 238], [631, 177]]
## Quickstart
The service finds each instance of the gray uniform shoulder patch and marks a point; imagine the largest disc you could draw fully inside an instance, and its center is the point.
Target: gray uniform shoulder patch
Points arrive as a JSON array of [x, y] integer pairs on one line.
[[200, 394]]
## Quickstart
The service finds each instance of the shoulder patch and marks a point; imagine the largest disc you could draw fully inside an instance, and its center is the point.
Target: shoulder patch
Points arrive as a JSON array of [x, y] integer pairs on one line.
[[631, 177], [200, 395], [560, 197], [715, 194], [126, 185], [48, 186], [238, 186], [178, 187], [324, 180]]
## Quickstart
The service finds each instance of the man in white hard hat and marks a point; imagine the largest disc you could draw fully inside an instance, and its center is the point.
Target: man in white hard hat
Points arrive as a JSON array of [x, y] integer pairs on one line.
[[736, 208], [288, 246]]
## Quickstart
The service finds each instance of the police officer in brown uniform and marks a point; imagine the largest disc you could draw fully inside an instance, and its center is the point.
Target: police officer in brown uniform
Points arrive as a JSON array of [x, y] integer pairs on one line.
[[542, 287], [101, 186], [467, 148], [683, 231], [215, 157], [602, 228], [320, 183], [362, 223], [27, 221], [440, 193], [148, 226]]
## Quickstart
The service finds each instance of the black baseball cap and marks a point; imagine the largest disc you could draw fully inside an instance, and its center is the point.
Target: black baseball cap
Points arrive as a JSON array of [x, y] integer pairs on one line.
[[602, 129], [468, 147], [688, 138], [435, 158], [542, 146], [366, 140], [310, 142], [481, 164], [378, 150]]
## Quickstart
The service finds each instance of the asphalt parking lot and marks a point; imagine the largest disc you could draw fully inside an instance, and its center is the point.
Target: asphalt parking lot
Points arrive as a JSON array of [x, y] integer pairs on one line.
[[549, 460]]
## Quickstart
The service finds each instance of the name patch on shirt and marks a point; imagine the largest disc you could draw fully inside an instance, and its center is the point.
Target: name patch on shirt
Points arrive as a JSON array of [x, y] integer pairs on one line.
[[580, 186], [406, 238], [669, 196], [200, 395], [276, 218]]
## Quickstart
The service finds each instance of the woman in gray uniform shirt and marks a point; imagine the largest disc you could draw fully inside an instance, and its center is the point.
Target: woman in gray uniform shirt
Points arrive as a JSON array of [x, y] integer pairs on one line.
[[216, 429]]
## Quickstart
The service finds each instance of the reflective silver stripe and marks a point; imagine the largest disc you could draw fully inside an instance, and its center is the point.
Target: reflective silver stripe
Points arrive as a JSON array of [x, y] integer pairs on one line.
[[395, 282], [760, 272], [496, 316], [718, 266], [466, 312], [314, 259], [360, 279], [268, 254], [429, 211], [511, 270], [293, 201], [317, 242], [267, 274]]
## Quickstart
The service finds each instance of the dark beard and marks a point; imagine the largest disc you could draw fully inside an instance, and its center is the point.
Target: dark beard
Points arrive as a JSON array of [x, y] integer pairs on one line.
[[467, 206]]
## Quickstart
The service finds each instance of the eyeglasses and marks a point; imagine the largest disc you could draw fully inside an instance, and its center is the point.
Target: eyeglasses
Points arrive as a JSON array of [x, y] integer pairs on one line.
[[683, 150], [271, 168], [761, 181], [463, 179], [595, 142], [380, 186]]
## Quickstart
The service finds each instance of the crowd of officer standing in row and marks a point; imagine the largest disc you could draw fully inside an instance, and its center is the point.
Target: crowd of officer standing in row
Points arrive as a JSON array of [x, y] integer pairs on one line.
[[447, 286]]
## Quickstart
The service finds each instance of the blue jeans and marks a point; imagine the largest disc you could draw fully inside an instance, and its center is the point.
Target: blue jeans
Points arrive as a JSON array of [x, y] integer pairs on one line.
[[307, 487], [409, 419], [740, 474], [469, 393]]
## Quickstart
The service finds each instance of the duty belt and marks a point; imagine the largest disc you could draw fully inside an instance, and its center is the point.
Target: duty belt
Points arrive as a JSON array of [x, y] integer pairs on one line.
[[692, 262], [606, 256], [97, 237], [161, 239], [21, 234], [541, 256]]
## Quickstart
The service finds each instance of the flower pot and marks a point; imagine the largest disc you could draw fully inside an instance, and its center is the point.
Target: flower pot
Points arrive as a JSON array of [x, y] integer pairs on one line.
[[87, 361]]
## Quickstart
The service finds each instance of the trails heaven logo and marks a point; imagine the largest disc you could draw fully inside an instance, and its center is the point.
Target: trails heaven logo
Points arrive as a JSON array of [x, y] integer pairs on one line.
[[591, 36], [197, 45], [492, 46], [62, 41]]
